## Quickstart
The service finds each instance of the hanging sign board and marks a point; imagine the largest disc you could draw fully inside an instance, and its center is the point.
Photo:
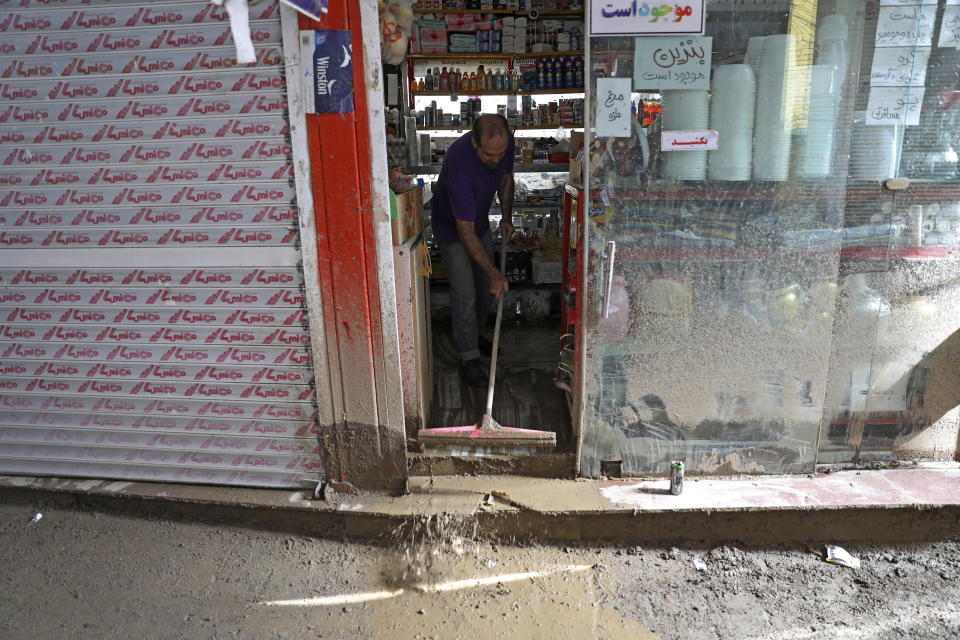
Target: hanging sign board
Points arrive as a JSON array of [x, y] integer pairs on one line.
[[636, 18], [613, 114], [672, 62], [328, 71]]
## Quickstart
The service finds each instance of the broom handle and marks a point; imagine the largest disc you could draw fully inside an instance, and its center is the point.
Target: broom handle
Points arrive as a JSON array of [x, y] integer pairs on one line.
[[496, 334]]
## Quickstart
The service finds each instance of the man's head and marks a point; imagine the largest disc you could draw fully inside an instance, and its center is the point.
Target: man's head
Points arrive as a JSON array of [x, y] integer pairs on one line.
[[490, 136]]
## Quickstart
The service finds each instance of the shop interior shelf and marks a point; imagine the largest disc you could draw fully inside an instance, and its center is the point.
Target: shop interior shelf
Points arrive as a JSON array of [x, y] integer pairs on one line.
[[495, 56], [505, 12], [542, 127], [511, 92], [517, 168]]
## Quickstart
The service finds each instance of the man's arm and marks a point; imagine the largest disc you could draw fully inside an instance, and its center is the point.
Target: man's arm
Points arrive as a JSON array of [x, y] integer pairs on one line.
[[468, 236], [505, 193]]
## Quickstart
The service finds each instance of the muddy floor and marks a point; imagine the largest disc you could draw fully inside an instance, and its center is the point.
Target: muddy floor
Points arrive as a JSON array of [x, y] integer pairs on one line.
[[89, 575]]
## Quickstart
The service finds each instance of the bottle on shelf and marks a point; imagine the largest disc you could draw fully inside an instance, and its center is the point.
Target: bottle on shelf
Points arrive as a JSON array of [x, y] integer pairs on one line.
[[472, 81], [481, 79], [454, 80], [578, 72], [421, 86], [541, 74], [413, 85], [428, 80], [444, 80]]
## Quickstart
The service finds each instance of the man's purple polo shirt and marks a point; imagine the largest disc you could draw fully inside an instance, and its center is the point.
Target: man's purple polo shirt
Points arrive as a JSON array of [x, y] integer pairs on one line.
[[465, 189]]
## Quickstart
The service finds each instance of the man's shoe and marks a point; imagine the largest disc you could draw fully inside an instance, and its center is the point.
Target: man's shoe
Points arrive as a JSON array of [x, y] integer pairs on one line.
[[485, 347], [474, 373]]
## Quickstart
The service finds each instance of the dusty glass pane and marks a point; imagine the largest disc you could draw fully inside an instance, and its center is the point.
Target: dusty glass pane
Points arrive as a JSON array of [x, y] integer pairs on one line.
[[713, 274], [894, 380]]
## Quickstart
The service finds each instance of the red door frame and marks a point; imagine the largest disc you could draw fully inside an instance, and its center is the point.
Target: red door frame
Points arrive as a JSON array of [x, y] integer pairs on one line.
[[366, 446]]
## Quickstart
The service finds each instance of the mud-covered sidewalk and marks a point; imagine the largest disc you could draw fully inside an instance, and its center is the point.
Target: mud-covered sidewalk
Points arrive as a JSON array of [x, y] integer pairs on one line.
[[86, 574], [904, 504]]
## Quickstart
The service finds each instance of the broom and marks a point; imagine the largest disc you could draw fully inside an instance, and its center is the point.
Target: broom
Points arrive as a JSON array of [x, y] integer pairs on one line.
[[488, 432]]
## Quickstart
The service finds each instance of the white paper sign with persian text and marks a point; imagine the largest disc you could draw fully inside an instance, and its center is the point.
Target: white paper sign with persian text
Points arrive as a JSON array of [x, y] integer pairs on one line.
[[637, 18], [908, 3], [950, 27], [894, 105], [900, 67], [688, 141], [905, 26], [672, 62], [613, 108]]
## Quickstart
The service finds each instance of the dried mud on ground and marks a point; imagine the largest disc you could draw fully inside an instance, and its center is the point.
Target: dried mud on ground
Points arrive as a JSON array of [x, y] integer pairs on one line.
[[89, 575]]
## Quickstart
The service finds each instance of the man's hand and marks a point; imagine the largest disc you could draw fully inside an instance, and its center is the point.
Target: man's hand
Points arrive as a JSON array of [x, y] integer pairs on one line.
[[506, 229], [498, 283]]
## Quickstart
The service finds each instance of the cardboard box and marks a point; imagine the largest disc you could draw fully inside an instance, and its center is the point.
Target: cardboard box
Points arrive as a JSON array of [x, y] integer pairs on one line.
[[576, 164], [406, 214]]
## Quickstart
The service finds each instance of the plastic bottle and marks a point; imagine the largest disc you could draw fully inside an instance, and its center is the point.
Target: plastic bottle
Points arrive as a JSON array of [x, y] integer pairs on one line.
[[568, 74], [444, 80], [420, 85], [481, 79], [413, 85], [454, 80], [428, 80], [578, 73], [541, 74]]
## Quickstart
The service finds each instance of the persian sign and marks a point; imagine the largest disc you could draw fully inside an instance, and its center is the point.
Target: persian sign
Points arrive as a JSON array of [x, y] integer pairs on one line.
[[950, 27], [672, 63], [613, 108], [688, 141], [905, 26], [635, 18], [900, 67], [894, 105]]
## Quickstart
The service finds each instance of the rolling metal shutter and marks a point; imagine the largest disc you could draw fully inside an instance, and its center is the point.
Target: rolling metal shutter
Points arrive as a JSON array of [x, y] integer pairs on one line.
[[152, 316]]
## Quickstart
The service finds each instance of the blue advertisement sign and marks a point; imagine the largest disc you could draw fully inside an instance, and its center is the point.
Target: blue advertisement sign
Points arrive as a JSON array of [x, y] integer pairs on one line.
[[328, 76]]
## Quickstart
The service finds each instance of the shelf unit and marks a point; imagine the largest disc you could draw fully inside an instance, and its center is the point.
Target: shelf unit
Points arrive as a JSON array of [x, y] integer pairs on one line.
[[432, 169], [493, 56], [543, 127], [503, 12], [473, 93]]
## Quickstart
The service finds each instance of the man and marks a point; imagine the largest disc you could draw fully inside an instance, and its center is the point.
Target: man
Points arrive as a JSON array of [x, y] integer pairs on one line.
[[476, 166]]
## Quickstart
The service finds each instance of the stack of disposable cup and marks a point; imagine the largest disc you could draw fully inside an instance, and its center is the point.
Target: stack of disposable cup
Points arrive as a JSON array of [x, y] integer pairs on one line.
[[731, 116], [816, 150], [685, 110], [773, 118], [832, 50], [874, 149], [754, 53], [410, 133]]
